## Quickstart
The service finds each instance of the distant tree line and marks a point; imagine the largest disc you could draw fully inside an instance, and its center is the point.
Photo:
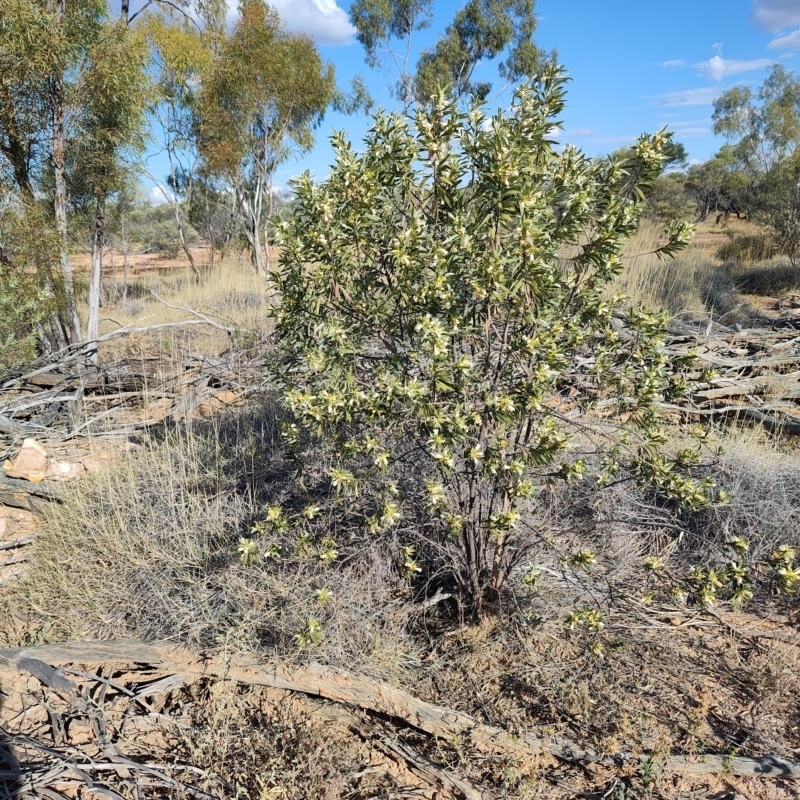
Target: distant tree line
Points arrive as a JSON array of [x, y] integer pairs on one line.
[[756, 174], [88, 97]]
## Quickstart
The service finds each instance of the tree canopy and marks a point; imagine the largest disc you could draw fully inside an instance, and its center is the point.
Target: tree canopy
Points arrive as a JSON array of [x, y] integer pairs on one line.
[[482, 30], [763, 128], [263, 97]]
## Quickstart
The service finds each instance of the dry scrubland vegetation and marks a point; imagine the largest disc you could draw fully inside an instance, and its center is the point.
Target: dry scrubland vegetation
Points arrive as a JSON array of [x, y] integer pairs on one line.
[[147, 549], [605, 631], [450, 474]]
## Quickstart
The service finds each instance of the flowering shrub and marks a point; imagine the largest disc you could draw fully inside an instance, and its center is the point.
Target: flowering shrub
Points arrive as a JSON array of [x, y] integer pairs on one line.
[[443, 310]]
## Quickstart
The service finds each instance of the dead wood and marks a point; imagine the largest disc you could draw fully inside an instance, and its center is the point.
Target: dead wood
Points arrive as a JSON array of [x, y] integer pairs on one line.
[[346, 688], [14, 543], [18, 493]]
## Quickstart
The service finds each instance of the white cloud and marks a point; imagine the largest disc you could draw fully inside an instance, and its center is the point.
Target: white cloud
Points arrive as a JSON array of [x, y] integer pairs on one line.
[[322, 20], [579, 132], [689, 97], [776, 15], [676, 62], [160, 194], [690, 132], [718, 67], [788, 42]]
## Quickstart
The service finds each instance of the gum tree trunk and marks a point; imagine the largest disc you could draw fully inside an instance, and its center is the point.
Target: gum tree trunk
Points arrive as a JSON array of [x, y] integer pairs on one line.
[[71, 320], [93, 323]]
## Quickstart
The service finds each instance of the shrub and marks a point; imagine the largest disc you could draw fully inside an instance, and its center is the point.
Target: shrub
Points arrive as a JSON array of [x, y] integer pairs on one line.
[[668, 201], [442, 314]]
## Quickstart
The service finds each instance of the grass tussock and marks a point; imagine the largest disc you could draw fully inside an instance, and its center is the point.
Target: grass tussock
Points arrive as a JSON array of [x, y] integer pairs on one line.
[[148, 548], [691, 284], [771, 279], [746, 248]]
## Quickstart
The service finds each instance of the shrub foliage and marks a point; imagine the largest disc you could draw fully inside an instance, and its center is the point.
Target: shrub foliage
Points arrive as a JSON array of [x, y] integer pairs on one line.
[[442, 310]]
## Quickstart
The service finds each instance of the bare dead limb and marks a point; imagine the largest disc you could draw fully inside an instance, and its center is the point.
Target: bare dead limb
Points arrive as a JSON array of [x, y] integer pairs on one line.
[[193, 312], [346, 688]]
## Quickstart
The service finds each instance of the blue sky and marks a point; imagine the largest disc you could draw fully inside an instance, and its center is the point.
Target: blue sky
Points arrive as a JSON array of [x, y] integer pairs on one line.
[[636, 65]]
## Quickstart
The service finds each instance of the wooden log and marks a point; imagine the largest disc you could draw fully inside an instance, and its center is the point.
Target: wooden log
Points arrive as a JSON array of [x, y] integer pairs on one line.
[[780, 425], [777, 387], [28, 496], [344, 687], [11, 427]]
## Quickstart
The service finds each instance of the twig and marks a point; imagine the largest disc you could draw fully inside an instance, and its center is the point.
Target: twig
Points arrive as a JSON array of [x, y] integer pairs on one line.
[[21, 542], [192, 311]]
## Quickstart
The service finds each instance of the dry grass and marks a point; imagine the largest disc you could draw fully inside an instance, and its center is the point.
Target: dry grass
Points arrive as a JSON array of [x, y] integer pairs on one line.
[[231, 294], [714, 278], [693, 284], [148, 548], [267, 744]]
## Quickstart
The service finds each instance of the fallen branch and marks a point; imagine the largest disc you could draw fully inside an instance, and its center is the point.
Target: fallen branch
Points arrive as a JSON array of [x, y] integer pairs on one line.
[[77, 351], [28, 496], [773, 424], [14, 543], [343, 687]]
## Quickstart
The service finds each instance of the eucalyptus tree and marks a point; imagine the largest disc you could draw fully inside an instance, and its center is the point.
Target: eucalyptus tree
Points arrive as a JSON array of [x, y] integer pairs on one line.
[[43, 44], [182, 51], [481, 31], [763, 128], [24, 73], [261, 99], [385, 29], [113, 91]]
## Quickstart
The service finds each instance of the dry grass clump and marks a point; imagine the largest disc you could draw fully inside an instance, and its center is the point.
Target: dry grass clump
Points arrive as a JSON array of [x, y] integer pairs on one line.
[[746, 248], [148, 549], [264, 743], [687, 284], [230, 294]]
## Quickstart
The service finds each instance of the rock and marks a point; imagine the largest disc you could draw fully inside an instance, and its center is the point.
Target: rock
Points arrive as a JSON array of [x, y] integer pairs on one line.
[[16, 523], [216, 402], [96, 461], [31, 463], [64, 470]]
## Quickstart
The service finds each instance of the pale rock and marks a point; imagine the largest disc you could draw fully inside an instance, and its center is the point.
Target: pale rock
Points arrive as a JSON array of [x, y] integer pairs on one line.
[[31, 462], [64, 470], [216, 402], [95, 462]]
